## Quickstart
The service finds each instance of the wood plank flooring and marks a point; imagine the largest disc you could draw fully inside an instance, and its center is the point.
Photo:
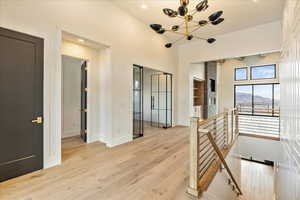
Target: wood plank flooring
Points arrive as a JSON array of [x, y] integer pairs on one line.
[[152, 167], [257, 181]]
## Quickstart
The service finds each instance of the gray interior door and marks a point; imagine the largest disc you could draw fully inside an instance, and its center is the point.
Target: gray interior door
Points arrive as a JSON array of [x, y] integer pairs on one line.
[[21, 104], [83, 132]]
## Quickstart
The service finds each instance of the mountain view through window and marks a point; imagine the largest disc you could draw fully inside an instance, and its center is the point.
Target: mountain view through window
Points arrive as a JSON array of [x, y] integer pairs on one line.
[[260, 99]]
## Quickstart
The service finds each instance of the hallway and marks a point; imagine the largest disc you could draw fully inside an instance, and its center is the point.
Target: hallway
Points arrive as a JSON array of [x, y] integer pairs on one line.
[[257, 181]]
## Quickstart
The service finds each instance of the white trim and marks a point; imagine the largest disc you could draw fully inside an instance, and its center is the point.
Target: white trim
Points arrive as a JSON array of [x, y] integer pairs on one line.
[[119, 141]]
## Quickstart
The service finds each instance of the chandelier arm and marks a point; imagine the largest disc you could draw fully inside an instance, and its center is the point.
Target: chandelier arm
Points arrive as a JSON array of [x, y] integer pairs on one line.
[[195, 22], [178, 33], [180, 17], [200, 38], [209, 22], [197, 25], [193, 12], [178, 40], [180, 25], [196, 29]]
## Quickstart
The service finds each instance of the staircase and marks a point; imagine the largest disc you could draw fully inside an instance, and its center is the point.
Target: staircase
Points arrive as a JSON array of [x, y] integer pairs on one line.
[[210, 143]]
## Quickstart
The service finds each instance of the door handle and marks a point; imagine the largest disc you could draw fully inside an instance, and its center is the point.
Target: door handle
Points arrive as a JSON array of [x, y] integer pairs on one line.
[[152, 102], [38, 120]]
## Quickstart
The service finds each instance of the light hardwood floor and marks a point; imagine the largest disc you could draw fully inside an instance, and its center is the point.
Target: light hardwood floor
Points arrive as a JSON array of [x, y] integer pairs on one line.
[[257, 181], [152, 167]]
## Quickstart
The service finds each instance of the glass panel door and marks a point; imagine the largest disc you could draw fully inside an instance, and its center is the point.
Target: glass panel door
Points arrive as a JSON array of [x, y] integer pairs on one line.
[[169, 100], [138, 125], [161, 100]]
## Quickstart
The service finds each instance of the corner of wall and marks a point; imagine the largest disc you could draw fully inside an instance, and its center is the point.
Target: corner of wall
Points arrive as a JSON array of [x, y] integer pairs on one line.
[[118, 141]]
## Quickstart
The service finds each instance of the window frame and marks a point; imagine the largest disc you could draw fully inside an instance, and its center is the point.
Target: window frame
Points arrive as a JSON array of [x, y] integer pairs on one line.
[[275, 72], [252, 99], [247, 73]]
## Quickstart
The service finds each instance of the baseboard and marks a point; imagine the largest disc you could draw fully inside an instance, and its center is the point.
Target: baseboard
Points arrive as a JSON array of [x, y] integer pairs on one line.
[[70, 133], [52, 163], [102, 139], [119, 141]]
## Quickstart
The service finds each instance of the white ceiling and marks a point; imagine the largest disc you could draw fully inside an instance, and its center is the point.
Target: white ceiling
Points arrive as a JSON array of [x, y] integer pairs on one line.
[[238, 14]]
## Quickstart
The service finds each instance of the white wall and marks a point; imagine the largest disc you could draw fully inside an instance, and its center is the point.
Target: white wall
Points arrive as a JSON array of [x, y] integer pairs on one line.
[[129, 42], [260, 149], [197, 70], [251, 41], [71, 96], [226, 93], [288, 180]]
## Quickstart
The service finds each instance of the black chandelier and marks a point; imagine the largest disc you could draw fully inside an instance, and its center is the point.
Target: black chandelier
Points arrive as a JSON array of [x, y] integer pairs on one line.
[[189, 25]]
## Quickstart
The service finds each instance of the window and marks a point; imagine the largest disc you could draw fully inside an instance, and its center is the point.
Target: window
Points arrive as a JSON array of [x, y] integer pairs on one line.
[[262, 99], [243, 98], [258, 99], [263, 72], [276, 100], [258, 106], [241, 74]]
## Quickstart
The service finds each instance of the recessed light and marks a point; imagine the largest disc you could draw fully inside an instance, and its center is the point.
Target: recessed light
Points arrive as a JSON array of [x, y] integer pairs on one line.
[[80, 40], [144, 6], [255, 1]]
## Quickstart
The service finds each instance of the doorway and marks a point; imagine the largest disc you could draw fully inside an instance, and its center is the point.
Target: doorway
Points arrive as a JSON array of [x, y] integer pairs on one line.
[[21, 103], [152, 101], [161, 100], [74, 101], [198, 97], [138, 99]]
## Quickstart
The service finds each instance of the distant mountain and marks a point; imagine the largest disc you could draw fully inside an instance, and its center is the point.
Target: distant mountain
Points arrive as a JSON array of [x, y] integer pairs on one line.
[[246, 99]]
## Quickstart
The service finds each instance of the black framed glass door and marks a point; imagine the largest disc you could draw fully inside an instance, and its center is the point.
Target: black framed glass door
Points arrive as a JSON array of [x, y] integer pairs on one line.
[[161, 100], [138, 119]]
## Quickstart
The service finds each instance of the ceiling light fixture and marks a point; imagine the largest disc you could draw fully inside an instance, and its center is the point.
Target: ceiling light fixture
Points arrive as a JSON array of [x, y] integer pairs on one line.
[[80, 40], [144, 6], [189, 24]]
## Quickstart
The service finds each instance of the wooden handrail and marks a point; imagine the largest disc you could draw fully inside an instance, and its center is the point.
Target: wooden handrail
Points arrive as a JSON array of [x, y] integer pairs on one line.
[[203, 164], [220, 155], [211, 118], [210, 142]]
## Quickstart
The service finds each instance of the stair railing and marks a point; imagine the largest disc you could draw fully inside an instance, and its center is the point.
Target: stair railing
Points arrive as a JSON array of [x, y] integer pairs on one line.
[[210, 142]]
